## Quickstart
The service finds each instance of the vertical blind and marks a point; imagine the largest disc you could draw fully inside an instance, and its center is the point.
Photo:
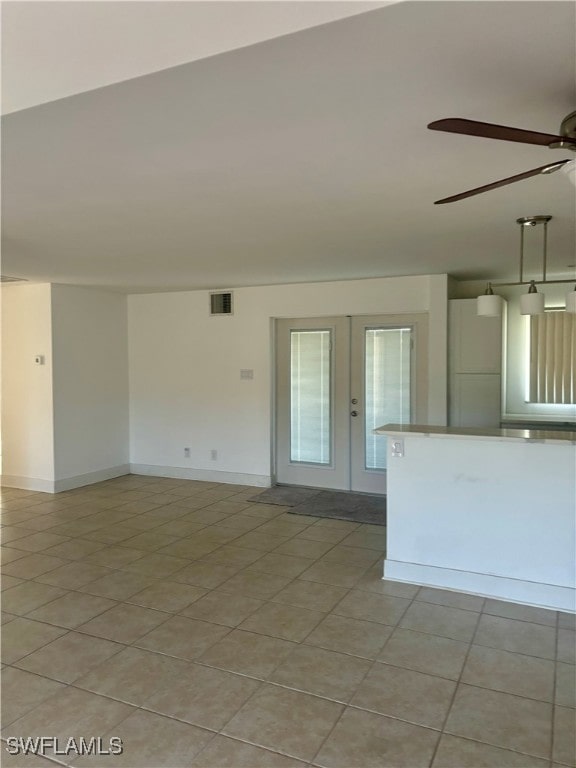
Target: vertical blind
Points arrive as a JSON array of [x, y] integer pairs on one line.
[[553, 358]]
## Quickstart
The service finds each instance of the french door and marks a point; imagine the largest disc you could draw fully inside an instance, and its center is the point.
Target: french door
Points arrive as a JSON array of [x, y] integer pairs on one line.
[[338, 378]]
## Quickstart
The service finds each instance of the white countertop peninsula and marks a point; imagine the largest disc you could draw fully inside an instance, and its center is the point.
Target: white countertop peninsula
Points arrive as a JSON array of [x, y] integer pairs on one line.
[[530, 435], [486, 511]]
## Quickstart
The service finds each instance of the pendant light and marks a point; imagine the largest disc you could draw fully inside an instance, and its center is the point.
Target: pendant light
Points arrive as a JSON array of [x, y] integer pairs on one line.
[[531, 303], [489, 304]]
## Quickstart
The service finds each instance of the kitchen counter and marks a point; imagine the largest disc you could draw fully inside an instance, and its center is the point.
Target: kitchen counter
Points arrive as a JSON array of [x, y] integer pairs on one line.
[[530, 435], [488, 511]]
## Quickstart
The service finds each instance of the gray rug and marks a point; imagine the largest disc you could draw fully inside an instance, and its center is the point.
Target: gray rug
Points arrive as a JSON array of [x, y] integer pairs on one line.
[[355, 507]]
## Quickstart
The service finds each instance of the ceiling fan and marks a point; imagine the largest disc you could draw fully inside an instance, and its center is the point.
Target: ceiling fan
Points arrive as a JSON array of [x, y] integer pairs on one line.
[[565, 140]]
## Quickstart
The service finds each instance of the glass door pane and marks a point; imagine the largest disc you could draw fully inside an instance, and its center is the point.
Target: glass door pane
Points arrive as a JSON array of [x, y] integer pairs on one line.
[[310, 396], [387, 355]]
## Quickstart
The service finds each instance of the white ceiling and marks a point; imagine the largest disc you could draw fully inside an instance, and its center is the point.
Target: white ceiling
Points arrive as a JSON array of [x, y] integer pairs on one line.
[[301, 158], [51, 50]]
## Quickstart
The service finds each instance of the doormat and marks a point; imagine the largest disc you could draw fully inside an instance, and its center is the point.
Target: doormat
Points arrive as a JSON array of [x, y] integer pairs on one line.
[[355, 507]]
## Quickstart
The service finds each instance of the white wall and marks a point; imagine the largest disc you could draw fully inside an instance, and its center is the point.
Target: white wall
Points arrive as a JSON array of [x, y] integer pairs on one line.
[[27, 425], [516, 352], [90, 365], [185, 386]]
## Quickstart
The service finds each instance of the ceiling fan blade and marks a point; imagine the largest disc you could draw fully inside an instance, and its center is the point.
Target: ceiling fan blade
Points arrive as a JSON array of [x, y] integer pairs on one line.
[[550, 168], [503, 132]]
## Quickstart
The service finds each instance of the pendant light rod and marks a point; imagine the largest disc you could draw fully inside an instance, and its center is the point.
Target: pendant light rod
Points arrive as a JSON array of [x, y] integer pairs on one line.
[[545, 250], [528, 282], [521, 270], [532, 221]]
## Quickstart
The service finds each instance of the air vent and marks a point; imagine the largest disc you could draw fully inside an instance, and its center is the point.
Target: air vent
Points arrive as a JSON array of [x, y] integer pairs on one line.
[[6, 279], [220, 303]]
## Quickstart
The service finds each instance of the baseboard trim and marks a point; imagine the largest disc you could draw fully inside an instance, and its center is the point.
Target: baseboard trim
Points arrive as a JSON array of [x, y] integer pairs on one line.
[[78, 481], [27, 483], [208, 475], [502, 588], [66, 483]]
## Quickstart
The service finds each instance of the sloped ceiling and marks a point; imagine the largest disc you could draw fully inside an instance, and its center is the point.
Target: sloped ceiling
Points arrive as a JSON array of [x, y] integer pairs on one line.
[[51, 50]]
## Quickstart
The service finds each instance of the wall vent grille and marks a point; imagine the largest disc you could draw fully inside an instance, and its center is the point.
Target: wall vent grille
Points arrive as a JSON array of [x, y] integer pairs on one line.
[[221, 303]]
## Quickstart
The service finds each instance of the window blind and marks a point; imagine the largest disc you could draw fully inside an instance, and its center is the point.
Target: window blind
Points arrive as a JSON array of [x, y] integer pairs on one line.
[[310, 396], [553, 358]]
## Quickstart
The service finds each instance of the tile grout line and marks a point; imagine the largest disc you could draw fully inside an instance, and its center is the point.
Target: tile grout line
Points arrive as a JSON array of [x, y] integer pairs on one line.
[[553, 718], [248, 743], [458, 682]]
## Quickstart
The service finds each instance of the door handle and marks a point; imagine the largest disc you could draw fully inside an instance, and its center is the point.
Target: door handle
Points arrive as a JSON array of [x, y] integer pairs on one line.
[[353, 413]]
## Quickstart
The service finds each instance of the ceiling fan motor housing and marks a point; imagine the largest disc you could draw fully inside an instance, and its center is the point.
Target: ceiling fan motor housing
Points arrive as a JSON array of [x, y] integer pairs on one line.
[[567, 129], [568, 126]]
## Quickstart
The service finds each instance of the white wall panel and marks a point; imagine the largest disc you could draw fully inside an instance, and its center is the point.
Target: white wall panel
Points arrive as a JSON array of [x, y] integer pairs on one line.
[[27, 422]]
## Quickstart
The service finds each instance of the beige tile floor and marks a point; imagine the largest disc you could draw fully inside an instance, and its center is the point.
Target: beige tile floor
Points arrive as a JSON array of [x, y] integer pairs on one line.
[[205, 630]]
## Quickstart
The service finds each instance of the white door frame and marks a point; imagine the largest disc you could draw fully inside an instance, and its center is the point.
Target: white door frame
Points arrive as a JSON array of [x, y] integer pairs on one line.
[[346, 470]]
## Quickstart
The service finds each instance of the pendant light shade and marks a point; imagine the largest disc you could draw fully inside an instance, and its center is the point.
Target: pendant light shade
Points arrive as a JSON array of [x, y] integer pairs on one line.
[[489, 304], [532, 303], [571, 301]]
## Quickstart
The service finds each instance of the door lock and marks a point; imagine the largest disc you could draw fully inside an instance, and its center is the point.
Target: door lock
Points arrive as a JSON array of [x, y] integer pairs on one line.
[[354, 400], [353, 413]]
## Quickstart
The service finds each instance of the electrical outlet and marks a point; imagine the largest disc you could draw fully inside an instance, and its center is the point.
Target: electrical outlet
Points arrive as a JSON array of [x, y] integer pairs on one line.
[[214, 454], [398, 448], [187, 453]]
